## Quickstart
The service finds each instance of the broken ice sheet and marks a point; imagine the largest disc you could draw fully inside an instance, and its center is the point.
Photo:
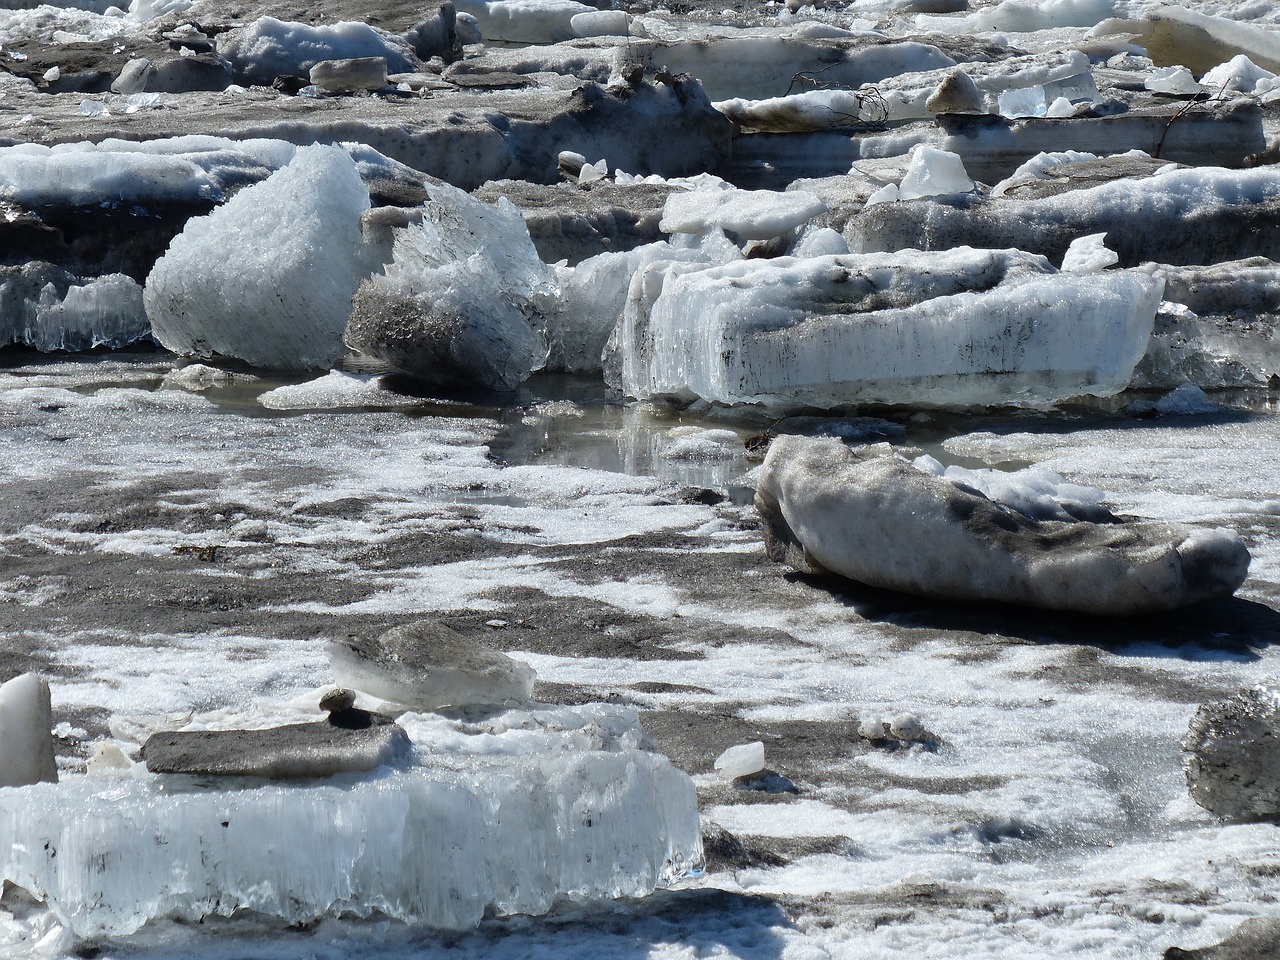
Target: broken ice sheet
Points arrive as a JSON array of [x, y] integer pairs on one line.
[[512, 815]]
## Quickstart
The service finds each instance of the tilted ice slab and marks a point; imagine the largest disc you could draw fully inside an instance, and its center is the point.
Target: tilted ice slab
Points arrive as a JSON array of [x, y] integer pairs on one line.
[[970, 327], [268, 277], [1179, 217], [268, 48], [878, 520], [510, 815]]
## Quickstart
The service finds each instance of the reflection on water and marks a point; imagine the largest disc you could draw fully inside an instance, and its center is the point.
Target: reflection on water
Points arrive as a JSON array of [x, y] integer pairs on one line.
[[560, 420]]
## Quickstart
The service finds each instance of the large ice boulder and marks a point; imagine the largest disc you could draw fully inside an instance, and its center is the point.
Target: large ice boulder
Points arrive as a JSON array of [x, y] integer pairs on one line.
[[1233, 755], [873, 517], [26, 744], [503, 815], [461, 300], [427, 665], [268, 277], [268, 48], [966, 327]]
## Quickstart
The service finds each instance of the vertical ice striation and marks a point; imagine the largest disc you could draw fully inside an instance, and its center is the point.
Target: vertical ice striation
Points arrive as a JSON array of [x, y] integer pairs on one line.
[[268, 277], [505, 830], [46, 308], [961, 327]]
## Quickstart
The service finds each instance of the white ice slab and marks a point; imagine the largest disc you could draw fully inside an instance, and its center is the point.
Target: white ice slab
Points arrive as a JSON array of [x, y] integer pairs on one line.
[[900, 328]]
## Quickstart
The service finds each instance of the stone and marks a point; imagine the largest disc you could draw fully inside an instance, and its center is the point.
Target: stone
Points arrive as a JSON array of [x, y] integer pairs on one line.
[[26, 744], [350, 76], [293, 751], [426, 666], [956, 94], [877, 519], [337, 700], [1233, 761]]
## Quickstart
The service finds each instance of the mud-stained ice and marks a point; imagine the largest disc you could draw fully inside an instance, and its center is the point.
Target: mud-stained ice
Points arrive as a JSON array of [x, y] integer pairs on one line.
[[871, 517]]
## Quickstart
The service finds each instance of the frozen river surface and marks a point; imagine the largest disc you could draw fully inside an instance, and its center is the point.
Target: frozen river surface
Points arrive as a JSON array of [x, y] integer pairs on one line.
[[170, 550]]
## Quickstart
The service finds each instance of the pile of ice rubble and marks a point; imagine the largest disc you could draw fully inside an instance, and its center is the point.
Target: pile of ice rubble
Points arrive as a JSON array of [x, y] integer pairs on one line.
[[461, 295], [1017, 204], [456, 292], [472, 800]]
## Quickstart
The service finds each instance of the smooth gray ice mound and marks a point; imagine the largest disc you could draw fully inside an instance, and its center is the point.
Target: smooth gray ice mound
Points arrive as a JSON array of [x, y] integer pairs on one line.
[[876, 519]]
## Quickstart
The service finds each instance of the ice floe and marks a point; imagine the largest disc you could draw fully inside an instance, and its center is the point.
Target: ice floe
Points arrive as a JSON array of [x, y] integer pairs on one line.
[[873, 518], [973, 327]]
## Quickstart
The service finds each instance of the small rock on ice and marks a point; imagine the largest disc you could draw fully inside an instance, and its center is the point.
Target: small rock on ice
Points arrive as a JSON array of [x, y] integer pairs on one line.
[[426, 666], [741, 761]]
